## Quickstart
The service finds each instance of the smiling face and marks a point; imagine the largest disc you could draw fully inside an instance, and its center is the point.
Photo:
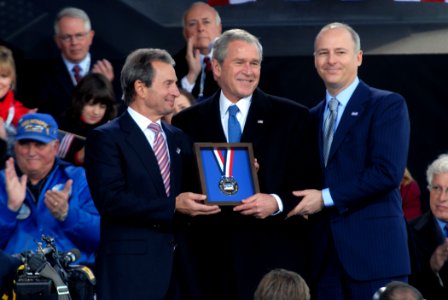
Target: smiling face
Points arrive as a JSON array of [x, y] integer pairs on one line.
[[438, 196], [200, 24], [73, 39], [336, 60], [239, 74], [157, 100]]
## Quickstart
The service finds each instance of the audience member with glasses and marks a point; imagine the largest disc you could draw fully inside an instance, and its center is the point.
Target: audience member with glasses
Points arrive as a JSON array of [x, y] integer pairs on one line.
[[55, 83], [429, 243]]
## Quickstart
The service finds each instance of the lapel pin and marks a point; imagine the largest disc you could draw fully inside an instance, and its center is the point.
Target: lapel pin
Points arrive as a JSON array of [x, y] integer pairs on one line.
[[354, 113], [260, 121], [178, 150]]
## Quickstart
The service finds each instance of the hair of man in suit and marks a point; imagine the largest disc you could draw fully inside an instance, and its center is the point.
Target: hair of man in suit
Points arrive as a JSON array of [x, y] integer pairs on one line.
[[439, 166], [138, 66], [221, 45], [397, 290], [355, 36], [72, 12], [281, 284]]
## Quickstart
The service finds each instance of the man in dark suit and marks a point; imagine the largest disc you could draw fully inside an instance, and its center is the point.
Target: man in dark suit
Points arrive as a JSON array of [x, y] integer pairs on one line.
[[134, 167], [234, 249], [56, 80], [359, 237], [201, 26], [429, 236]]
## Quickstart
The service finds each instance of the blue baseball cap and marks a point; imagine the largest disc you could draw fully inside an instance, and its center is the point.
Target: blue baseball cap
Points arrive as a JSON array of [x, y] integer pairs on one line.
[[37, 127]]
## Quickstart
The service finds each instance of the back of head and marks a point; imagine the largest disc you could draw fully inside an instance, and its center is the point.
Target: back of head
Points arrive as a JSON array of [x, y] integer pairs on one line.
[[280, 284], [397, 290]]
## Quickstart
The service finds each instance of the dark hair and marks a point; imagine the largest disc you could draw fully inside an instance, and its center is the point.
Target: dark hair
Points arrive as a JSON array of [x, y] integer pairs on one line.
[[93, 89], [188, 95], [281, 284], [138, 66]]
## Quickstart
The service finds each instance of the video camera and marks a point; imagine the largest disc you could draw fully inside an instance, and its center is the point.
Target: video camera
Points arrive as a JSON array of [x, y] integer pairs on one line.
[[49, 274]]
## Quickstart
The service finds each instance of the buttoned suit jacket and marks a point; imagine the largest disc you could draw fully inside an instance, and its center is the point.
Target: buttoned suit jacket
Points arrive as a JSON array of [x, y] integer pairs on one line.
[[365, 166], [426, 236], [278, 131], [135, 257]]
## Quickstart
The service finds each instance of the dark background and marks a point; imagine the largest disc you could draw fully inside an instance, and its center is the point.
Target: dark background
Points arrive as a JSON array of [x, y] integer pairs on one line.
[[405, 48]]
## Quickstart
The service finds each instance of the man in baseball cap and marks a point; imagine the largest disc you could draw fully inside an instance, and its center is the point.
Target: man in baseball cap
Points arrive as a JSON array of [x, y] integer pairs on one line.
[[41, 194]]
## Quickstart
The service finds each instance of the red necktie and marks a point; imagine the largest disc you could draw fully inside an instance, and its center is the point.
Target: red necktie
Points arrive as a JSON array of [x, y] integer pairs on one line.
[[161, 152], [208, 64], [77, 72]]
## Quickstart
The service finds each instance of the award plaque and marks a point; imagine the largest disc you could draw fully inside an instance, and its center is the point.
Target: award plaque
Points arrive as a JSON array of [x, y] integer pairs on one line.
[[227, 172]]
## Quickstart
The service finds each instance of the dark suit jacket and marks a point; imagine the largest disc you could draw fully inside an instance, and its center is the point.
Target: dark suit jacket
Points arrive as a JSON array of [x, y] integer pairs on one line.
[[135, 257], [246, 248], [365, 166], [210, 85], [426, 236]]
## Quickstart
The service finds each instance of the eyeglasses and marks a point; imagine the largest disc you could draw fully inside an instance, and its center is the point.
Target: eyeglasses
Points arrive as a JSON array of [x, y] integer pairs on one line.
[[437, 189], [74, 37]]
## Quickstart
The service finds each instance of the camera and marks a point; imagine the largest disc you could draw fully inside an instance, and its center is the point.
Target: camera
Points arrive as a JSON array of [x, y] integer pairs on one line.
[[50, 274]]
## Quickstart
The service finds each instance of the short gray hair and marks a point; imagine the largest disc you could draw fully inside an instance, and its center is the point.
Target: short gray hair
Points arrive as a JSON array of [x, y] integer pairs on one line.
[[439, 166], [138, 66], [72, 12], [221, 45], [353, 33]]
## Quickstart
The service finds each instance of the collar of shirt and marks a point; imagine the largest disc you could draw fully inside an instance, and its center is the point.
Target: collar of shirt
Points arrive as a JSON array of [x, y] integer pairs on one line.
[[343, 98], [84, 65], [143, 123], [243, 105]]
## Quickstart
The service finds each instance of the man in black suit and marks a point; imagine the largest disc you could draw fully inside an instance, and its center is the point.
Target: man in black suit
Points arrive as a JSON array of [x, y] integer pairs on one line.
[[134, 167], [56, 80], [235, 248], [429, 236], [201, 26]]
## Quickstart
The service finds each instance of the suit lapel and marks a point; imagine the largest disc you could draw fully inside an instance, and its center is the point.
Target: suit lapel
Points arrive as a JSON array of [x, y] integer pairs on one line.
[[138, 142], [354, 110], [258, 118], [175, 152], [212, 118]]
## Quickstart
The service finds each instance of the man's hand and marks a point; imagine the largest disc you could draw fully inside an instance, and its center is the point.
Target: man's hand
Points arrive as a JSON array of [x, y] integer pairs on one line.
[[57, 201], [193, 59], [259, 205], [15, 187], [311, 203], [439, 257], [103, 66], [193, 205]]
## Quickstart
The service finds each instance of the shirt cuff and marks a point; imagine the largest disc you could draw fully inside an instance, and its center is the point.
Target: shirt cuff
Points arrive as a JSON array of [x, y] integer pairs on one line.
[[186, 85], [279, 203], [328, 201]]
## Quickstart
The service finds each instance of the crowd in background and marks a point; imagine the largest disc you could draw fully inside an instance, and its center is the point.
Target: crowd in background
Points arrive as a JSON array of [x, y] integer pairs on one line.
[[354, 199]]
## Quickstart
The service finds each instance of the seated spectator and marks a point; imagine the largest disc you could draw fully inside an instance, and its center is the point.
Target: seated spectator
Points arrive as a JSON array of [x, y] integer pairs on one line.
[[184, 100], [429, 247], [40, 194], [280, 284], [410, 196], [93, 104], [10, 108], [397, 290]]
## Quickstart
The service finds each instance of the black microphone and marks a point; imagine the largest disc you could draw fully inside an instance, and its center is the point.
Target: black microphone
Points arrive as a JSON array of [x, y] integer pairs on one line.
[[70, 256]]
